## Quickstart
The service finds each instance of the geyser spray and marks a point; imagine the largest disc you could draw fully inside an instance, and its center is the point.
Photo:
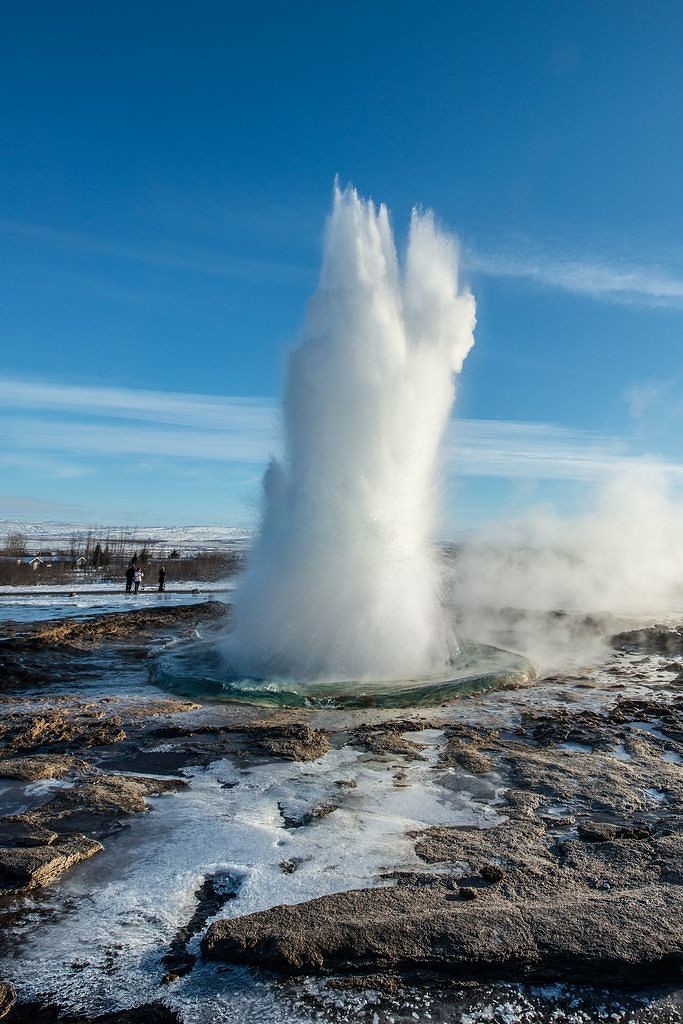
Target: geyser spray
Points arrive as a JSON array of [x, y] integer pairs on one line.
[[344, 581]]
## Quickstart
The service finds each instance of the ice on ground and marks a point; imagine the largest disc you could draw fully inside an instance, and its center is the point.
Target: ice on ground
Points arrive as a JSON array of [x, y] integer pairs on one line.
[[126, 904]]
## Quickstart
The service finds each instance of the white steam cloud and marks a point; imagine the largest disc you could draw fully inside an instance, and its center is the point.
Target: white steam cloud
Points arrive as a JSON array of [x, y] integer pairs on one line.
[[622, 557]]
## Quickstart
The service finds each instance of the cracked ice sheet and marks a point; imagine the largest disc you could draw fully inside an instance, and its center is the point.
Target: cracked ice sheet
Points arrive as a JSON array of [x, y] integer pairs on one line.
[[123, 907]]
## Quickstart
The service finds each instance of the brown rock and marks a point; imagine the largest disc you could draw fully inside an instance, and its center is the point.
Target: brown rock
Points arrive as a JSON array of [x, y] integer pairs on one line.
[[292, 742], [389, 738], [602, 831], [467, 892], [25, 868], [92, 804], [7, 996], [41, 766], [59, 728]]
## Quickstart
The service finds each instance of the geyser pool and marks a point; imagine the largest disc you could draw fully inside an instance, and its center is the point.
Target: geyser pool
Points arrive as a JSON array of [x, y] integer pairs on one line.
[[197, 669], [344, 581]]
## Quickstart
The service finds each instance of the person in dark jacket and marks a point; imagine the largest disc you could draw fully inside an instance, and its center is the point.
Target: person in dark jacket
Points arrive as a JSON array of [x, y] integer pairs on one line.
[[162, 579], [130, 576]]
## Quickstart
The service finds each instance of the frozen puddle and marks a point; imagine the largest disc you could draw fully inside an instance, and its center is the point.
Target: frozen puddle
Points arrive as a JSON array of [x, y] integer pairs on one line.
[[124, 906]]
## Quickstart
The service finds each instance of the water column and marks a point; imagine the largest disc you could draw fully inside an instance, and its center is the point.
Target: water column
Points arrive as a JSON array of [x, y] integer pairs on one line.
[[344, 581]]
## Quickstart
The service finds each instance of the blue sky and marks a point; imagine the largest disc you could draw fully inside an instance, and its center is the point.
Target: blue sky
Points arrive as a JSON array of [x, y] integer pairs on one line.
[[165, 172]]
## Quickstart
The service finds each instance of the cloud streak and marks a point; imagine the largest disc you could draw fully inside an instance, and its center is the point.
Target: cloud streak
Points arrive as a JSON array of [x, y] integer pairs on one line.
[[43, 420], [603, 279], [622, 283], [182, 257]]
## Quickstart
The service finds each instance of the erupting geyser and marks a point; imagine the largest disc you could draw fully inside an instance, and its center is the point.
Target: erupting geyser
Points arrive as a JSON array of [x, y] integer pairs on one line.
[[344, 581]]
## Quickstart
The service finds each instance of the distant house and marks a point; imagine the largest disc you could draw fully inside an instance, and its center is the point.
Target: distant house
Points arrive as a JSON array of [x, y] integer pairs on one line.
[[81, 562], [36, 562]]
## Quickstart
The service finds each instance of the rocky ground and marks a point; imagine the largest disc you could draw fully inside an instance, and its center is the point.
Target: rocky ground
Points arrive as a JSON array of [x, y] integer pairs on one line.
[[578, 881]]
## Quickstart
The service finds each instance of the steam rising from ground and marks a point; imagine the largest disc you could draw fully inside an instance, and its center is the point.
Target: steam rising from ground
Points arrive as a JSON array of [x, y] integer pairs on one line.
[[344, 581], [622, 557]]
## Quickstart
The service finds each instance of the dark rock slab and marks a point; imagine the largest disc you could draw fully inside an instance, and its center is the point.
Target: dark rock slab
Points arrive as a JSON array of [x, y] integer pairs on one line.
[[604, 831], [464, 750], [584, 727], [652, 640], [624, 939]]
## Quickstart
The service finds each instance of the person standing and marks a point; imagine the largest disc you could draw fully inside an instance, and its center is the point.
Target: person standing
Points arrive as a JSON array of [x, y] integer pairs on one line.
[[162, 579], [130, 575], [137, 579]]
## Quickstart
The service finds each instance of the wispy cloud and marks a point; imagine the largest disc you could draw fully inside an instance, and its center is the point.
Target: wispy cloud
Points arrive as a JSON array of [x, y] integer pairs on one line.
[[241, 443], [171, 256], [543, 451], [604, 278], [610, 281], [47, 421], [171, 407]]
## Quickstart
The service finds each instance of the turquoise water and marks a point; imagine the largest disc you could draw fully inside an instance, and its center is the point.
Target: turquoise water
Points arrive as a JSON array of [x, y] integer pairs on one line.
[[199, 670]]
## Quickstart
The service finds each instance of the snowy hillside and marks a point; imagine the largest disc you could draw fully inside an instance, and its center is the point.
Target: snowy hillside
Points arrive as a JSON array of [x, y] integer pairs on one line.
[[41, 535]]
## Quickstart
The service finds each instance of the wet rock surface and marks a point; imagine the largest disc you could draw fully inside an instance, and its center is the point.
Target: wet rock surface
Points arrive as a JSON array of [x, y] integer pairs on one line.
[[139, 624], [96, 804], [578, 876], [527, 904], [582, 879], [289, 741], [37, 846], [651, 640], [39, 654]]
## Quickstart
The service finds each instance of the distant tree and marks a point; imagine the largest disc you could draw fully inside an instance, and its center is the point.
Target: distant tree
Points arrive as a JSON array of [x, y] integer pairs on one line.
[[175, 553], [74, 546], [97, 556], [16, 543], [144, 556]]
